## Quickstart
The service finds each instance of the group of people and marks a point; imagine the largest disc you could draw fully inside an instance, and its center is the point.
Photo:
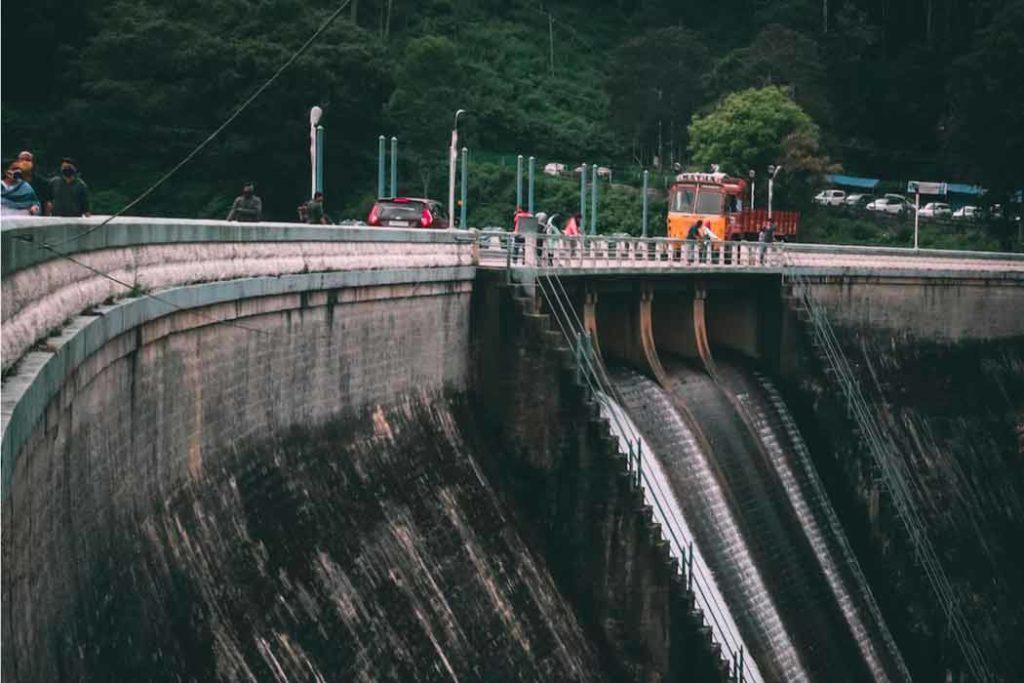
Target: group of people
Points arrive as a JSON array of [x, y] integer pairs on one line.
[[26, 192], [248, 208], [701, 234]]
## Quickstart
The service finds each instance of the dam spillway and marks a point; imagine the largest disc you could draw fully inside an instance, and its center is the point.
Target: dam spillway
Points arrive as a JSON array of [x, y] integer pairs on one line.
[[189, 474], [753, 517]]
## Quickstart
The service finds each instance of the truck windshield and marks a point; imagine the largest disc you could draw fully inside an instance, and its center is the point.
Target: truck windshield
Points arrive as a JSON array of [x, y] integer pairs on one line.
[[709, 201], [682, 199]]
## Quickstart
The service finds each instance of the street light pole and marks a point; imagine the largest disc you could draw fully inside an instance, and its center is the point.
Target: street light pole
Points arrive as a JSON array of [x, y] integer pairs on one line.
[[772, 172], [453, 153], [314, 118], [752, 174]]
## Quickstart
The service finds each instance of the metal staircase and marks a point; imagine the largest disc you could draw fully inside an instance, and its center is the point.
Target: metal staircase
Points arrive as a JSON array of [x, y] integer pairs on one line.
[[898, 481]]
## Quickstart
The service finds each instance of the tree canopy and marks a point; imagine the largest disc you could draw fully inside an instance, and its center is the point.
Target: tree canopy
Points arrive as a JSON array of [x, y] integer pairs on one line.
[[929, 89]]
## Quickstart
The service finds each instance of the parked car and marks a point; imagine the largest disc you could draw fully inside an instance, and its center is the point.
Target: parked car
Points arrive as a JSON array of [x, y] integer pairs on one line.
[[967, 213], [408, 212], [830, 198], [935, 210], [858, 200], [892, 204], [554, 169]]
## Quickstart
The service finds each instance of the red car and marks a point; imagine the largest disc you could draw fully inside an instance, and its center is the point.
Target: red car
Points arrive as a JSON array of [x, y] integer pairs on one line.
[[408, 212]]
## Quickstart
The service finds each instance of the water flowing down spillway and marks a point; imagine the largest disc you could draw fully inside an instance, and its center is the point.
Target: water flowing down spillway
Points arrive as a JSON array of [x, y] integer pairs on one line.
[[718, 539], [777, 432], [658, 493], [761, 520]]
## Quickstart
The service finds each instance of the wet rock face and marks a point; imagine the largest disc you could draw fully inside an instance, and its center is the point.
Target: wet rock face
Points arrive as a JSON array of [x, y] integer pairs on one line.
[[370, 549], [956, 415]]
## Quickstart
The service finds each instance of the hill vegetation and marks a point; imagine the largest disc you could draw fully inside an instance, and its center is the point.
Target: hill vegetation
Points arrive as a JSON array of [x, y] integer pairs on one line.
[[926, 89]]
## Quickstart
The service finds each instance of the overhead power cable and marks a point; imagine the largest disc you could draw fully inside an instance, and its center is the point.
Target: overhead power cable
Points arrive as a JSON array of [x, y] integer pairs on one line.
[[227, 122]]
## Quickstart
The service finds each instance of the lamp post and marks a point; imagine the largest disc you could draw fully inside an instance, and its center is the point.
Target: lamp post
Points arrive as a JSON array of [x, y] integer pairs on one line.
[[381, 150], [519, 182], [453, 153], [394, 166], [753, 174], [647, 175], [773, 170], [463, 188], [316, 162]]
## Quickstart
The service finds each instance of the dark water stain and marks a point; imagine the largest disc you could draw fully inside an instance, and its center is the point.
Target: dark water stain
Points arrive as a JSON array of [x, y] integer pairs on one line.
[[956, 415], [371, 548]]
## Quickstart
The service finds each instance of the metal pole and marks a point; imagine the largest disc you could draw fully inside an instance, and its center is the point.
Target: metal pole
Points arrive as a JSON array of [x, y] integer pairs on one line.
[[465, 173], [593, 199], [917, 214], [771, 182], [646, 178], [583, 199], [453, 155], [752, 186], [319, 177], [394, 166], [314, 118], [529, 182], [381, 152], [519, 182]]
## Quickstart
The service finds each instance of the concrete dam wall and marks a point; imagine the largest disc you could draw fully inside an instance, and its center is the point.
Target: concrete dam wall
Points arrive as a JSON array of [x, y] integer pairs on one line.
[[341, 468], [953, 404], [290, 477]]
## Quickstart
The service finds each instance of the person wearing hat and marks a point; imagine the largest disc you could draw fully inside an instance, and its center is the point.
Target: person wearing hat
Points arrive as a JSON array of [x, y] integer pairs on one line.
[[248, 208], [18, 195], [69, 195]]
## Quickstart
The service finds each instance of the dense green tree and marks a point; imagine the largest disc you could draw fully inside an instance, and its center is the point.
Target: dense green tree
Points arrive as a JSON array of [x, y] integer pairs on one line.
[[747, 129], [654, 86], [986, 95], [753, 128], [426, 95], [777, 56]]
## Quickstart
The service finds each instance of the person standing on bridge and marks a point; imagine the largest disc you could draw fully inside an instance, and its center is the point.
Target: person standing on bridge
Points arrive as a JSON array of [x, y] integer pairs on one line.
[[18, 196], [692, 235], [248, 208], [766, 237], [69, 195], [315, 210]]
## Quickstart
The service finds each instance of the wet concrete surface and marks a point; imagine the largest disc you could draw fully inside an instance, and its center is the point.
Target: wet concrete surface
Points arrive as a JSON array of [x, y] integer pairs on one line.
[[371, 549]]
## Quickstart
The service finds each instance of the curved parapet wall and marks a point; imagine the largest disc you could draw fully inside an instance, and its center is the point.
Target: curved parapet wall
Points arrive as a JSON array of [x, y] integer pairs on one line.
[[149, 395], [54, 269]]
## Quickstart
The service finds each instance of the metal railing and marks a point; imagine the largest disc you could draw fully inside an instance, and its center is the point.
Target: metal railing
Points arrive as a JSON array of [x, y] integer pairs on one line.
[[903, 488], [597, 252], [593, 377], [587, 252]]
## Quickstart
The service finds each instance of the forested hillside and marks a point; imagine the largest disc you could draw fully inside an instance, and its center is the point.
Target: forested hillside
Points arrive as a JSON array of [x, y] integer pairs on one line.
[[928, 89]]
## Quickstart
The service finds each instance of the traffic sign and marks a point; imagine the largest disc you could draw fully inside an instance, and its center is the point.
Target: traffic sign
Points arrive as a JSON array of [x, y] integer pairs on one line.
[[922, 187]]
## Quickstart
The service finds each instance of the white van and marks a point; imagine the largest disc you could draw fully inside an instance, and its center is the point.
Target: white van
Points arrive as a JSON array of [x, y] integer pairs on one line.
[[830, 198]]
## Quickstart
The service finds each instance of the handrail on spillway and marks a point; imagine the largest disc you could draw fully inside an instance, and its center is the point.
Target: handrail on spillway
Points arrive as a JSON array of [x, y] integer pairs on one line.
[[592, 375], [904, 489]]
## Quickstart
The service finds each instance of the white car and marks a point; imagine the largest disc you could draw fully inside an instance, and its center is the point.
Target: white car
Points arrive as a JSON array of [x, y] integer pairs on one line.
[[966, 213], [554, 169], [858, 199], [935, 210], [888, 204], [830, 198]]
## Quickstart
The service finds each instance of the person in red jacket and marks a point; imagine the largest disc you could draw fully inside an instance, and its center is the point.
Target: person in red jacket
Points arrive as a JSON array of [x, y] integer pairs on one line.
[[572, 226]]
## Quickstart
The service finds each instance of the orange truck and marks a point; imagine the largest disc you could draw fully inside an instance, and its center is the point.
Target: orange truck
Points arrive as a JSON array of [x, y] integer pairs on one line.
[[718, 200]]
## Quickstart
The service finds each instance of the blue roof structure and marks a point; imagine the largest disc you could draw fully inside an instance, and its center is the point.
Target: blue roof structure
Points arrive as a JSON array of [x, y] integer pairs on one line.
[[853, 181], [964, 188]]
